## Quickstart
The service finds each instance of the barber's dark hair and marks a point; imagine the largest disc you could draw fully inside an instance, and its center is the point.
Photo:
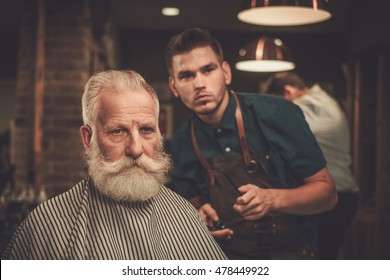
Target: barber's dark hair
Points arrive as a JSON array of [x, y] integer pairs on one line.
[[275, 83], [188, 40]]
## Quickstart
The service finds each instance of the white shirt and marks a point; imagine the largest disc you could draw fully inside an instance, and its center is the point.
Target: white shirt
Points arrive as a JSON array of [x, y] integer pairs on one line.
[[330, 127]]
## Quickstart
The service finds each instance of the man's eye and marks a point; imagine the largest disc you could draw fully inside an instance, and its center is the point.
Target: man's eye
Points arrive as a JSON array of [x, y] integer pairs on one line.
[[185, 76], [208, 70], [147, 130], [117, 132]]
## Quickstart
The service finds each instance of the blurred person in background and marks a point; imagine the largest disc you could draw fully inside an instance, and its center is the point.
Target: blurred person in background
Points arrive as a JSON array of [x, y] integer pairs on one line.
[[330, 127]]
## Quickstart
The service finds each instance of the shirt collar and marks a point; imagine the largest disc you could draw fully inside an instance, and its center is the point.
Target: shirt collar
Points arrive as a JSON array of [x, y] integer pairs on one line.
[[228, 121]]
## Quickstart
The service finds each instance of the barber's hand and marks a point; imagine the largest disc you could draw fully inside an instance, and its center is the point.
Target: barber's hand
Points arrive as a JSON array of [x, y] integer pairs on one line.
[[209, 215], [254, 203], [225, 233]]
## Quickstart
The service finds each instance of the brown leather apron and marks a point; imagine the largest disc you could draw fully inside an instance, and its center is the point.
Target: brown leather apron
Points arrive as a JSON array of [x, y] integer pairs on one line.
[[275, 236]]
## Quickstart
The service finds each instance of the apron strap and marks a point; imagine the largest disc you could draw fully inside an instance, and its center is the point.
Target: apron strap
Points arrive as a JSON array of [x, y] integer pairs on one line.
[[251, 165], [203, 161]]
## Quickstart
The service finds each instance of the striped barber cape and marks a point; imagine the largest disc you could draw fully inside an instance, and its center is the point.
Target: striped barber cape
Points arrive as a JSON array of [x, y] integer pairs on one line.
[[83, 223]]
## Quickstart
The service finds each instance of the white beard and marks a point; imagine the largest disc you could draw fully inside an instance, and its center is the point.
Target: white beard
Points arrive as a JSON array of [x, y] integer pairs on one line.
[[128, 179]]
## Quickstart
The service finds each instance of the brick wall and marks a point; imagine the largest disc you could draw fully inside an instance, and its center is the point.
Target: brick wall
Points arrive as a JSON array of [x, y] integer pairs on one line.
[[68, 45]]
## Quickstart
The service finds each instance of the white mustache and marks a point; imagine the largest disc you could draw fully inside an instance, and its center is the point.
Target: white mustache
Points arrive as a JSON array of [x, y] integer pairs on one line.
[[143, 162]]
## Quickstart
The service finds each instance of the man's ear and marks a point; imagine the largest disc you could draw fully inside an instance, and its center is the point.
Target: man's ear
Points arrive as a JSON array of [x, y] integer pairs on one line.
[[289, 92], [172, 86], [86, 135], [227, 72]]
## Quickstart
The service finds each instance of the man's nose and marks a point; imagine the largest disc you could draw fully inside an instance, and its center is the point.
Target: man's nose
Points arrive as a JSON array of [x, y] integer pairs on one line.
[[199, 82], [134, 146]]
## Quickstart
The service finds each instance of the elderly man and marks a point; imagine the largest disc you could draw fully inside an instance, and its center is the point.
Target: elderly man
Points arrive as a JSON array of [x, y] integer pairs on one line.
[[122, 210]]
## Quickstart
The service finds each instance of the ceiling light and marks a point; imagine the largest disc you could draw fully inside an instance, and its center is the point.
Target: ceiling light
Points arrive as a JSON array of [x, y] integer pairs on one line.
[[170, 11], [266, 54], [283, 12]]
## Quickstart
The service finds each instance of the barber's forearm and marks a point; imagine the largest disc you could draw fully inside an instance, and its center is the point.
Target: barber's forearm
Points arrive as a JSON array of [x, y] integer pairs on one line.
[[311, 198]]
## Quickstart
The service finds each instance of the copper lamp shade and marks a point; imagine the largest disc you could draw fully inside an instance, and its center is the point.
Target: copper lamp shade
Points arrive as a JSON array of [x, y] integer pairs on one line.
[[284, 12], [267, 54]]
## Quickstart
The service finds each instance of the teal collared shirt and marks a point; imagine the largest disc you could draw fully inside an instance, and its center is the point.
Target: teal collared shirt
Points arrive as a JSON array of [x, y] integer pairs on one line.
[[276, 131]]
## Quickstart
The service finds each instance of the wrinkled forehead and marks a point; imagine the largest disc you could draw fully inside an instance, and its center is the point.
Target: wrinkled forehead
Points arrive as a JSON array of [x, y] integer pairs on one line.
[[131, 100]]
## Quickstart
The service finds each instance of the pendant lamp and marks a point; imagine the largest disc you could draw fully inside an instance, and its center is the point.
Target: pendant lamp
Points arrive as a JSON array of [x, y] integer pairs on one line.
[[266, 54], [284, 12]]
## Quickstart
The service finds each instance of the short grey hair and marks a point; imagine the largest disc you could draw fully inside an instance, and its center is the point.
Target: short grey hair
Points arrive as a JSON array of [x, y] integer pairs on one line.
[[117, 80]]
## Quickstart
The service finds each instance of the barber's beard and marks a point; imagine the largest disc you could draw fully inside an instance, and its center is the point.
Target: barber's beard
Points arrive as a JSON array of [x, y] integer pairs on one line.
[[128, 179], [209, 108]]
